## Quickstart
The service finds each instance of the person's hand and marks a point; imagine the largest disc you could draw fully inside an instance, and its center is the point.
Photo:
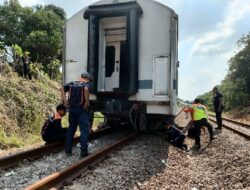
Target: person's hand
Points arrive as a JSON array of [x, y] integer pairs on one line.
[[86, 105], [66, 104]]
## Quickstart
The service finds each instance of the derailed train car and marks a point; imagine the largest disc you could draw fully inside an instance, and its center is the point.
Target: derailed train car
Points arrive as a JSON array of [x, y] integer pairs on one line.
[[130, 48]]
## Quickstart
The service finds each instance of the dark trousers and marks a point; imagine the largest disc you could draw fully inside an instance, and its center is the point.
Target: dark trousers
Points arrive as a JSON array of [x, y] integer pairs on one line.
[[218, 118], [58, 136], [26, 72], [78, 116], [179, 141], [197, 132]]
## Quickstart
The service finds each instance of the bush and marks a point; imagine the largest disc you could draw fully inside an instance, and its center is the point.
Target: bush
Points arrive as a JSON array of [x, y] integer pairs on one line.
[[24, 105]]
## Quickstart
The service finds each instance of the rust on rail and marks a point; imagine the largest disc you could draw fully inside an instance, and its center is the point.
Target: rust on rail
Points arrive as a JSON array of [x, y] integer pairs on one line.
[[57, 180], [32, 154]]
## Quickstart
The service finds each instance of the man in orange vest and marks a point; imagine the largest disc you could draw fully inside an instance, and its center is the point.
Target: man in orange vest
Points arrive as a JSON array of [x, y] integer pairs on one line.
[[200, 119]]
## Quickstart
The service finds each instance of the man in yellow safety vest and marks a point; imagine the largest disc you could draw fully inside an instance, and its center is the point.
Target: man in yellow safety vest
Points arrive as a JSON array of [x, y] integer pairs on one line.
[[200, 119]]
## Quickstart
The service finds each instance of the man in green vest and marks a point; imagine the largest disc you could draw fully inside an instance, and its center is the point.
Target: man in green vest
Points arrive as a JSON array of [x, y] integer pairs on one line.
[[200, 119]]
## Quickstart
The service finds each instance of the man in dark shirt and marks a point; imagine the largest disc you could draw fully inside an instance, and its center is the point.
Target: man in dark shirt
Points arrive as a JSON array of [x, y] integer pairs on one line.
[[52, 130], [176, 137], [78, 103], [218, 106], [26, 67]]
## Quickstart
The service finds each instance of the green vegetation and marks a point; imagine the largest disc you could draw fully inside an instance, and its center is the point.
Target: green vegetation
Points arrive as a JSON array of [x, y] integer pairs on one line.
[[32, 31], [30, 43], [236, 85], [98, 120], [24, 105], [33, 34]]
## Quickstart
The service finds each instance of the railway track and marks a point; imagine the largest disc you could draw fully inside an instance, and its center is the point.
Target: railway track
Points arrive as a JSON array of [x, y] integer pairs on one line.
[[242, 129], [33, 154], [58, 179]]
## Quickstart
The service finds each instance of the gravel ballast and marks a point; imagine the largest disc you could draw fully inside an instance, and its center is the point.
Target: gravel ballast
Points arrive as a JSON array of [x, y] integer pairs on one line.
[[151, 163], [29, 172]]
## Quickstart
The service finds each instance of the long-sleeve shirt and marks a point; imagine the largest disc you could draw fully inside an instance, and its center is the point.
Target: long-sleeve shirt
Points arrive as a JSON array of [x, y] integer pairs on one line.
[[52, 125]]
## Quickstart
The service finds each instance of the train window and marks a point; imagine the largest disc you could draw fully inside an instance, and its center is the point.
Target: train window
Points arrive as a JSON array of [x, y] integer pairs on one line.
[[110, 61]]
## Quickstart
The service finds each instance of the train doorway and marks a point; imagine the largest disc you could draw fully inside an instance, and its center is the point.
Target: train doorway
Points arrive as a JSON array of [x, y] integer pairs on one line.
[[113, 33], [112, 48]]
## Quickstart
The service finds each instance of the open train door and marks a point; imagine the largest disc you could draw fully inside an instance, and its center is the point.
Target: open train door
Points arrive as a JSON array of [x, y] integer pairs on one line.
[[113, 47]]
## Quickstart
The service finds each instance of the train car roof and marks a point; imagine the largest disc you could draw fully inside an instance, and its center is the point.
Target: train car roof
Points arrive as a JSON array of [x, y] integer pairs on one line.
[[103, 2]]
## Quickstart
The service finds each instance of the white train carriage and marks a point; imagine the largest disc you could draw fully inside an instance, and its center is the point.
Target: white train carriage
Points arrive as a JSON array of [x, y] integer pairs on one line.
[[130, 48]]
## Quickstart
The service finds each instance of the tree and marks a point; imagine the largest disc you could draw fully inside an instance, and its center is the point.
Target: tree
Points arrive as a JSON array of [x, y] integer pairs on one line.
[[17, 53], [2, 56], [207, 98], [2, 50], [239, 68], [54, 68], [57, 10], [36, 30], [236, 85], [10, 24], [45, 41]]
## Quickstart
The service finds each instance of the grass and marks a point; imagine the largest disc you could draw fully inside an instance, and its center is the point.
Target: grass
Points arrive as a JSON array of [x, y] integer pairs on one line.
[[98, 120], [24, 105]]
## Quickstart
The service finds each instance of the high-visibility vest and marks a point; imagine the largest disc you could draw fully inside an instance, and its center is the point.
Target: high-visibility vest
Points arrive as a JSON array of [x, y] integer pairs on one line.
[[199, 112]]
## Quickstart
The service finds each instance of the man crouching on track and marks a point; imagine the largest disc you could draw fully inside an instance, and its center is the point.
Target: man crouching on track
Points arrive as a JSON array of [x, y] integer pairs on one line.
[[175, 136], [78, 103], [52, 130], [200, 119]]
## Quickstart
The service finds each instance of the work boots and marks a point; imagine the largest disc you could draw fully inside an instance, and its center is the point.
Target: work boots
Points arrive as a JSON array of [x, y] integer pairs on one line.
[[84, 154], [68, 152], [218, 128]]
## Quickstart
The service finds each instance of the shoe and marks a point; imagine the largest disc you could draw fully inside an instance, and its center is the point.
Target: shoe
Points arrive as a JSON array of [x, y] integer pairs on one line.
[[218, 128], [212, 138], [83, 155], [68, 152], [196, 147], [185, 146]]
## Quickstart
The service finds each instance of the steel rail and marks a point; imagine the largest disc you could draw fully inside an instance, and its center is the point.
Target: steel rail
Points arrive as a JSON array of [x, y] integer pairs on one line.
[[232, 129], [33, 154], [57, 180], [233, 121]]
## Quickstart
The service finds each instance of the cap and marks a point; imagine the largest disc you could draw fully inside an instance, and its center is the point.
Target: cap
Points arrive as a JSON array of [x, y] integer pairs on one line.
[[87, 75]]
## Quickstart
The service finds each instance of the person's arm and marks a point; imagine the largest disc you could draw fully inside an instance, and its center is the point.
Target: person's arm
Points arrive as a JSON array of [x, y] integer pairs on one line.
[[64, 89], [63, 97], [220, 103], [189, 109], [86, 96], [57, 125]]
